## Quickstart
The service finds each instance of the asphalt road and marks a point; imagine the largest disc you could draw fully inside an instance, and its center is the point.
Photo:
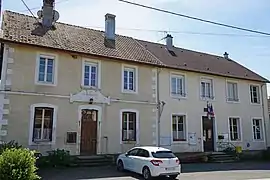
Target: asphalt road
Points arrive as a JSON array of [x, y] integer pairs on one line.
[[226, 171]]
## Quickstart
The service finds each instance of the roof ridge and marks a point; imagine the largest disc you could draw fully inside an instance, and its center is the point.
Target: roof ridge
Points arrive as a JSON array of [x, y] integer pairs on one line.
[[62, 23]]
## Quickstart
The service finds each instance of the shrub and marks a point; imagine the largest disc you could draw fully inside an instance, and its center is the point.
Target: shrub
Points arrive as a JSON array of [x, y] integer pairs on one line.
[[18, 164], [9, 145], [58, 157]]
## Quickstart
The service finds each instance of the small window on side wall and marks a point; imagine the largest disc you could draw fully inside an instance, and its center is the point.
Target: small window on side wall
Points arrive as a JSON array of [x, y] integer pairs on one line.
[[71, 137]]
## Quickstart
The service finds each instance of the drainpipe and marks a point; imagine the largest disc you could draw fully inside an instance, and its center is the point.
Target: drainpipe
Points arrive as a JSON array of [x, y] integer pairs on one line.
[[158, 109], [264, 118]]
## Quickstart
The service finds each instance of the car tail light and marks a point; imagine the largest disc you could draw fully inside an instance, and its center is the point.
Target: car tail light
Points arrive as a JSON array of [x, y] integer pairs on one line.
[[156, 162], [177, 161]]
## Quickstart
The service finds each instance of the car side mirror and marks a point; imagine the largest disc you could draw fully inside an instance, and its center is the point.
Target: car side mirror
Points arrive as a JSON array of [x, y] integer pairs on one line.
[[126, 155]]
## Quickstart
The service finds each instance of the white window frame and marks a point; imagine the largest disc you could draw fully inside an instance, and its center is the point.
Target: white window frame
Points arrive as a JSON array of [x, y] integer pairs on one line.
[[55, 69], [135, 68], [32, 120], [234, 99], [212, 91], [262, 129], [93, 62], [185, 126], [137, 125], [251, 95], [184, 85], [239, 128]]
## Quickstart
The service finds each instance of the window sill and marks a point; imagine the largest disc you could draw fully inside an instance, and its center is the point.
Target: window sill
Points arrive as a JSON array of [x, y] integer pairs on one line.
[[207, 99], [90, 87], [255, 104], [179, 142], [178, 96], [233, 101], [258, 141], [39, 83], [129, 142], [71, 143], [42, 143], [236, 141], [129, 92]]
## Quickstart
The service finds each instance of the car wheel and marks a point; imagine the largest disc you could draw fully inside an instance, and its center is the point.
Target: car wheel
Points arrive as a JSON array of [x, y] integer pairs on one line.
[[173, 176], [146, 173], [120, 166]]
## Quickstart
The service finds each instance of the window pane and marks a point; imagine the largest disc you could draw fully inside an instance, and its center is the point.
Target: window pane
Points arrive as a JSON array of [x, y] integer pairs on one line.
[[86, 75], [48, 123], [93, 76], [203, 89], [173, 86], [125, 80], [131, 81], [42, 66]]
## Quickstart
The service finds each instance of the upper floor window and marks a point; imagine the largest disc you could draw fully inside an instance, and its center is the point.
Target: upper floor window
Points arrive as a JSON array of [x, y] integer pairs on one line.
[[46, 70], [90, 74], [207, 88], [129, 126], [179, 127], [254, 94], [257, 129], [232, 91], [129, 79], [178, 86], [235, 133]]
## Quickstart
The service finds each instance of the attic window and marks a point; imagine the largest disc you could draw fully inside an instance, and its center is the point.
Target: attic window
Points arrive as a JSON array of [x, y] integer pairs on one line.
[[172, 53], [228, 72], [207, 68], [185, 64]]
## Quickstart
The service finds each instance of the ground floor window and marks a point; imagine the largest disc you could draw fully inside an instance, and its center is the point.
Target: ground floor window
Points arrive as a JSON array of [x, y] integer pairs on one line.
[[129, 126], [43, 119], [257, 129], [235, 133], [179, 127]]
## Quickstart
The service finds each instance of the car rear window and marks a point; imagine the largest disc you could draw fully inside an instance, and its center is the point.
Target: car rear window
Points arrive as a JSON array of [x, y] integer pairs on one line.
[[163, 154]]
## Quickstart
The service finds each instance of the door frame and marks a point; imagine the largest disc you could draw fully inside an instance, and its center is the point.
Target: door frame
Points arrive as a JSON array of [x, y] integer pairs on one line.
[[214, 131], [99, 120]]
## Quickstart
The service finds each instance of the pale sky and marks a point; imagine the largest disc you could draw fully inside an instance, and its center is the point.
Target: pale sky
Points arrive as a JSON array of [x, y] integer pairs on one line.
[[252, 52]]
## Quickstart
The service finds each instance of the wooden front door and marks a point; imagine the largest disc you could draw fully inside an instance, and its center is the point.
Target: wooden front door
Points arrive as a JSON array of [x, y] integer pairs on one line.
[[89, 132], [208, 134]]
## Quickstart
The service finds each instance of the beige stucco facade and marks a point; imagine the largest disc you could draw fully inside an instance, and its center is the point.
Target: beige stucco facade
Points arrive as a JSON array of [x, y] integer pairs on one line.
[[64, 98], [192, 106], [68, 97]]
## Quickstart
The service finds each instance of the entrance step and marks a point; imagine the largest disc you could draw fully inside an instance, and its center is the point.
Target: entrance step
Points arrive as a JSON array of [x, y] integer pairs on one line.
[[222, 157], [92, 161]]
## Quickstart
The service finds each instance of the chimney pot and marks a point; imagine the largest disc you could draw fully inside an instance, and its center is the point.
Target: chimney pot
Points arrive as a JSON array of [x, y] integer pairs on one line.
[[169, 42], [226, 55]]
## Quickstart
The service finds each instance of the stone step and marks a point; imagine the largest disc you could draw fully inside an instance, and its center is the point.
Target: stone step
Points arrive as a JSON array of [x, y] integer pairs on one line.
[[93, 161]]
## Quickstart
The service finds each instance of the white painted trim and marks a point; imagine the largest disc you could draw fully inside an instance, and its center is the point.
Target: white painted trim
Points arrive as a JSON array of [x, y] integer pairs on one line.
[[263, 133], [34, 94], [68, 97], [55, 70], [227, 93], [136, 79], [137, 124], [3, 122], [186, 126], [213, 88], [91, 61], [99, 124], [32, 116], [241, 129], [4, 67], [177, 74], [6, 101], [259, 91]]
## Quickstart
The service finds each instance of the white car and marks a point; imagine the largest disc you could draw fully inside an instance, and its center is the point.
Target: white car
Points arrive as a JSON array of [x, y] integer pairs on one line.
[[150, 162]]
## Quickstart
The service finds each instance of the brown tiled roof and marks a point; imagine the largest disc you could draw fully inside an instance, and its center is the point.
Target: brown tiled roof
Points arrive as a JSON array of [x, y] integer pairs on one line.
[[200, 62], [19, 28], [23, 29]]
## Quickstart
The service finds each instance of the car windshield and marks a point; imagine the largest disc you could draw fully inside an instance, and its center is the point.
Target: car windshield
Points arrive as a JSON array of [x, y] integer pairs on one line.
[[163, 154]]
